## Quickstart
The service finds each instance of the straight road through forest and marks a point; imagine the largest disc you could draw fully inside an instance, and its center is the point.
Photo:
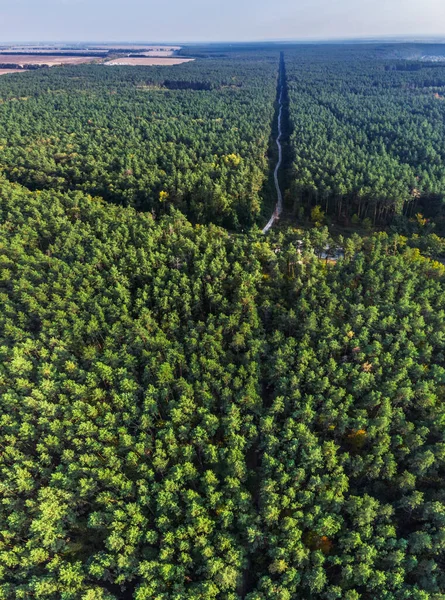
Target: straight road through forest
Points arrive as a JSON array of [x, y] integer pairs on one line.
[[279, 205]]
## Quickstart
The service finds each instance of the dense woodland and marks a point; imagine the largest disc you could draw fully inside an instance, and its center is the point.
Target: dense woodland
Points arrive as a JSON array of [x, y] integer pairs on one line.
[[194, 136], [368, 133], [188, 412]]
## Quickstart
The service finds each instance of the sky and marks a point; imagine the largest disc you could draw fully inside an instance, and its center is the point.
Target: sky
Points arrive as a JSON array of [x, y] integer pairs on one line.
[[217, 20]]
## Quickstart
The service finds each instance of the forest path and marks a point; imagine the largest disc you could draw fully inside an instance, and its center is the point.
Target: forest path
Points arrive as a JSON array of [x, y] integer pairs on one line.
[[279, 205]]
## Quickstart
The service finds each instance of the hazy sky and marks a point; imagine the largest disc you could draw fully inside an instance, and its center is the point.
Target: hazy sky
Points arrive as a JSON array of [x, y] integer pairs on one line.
[[205, 20]]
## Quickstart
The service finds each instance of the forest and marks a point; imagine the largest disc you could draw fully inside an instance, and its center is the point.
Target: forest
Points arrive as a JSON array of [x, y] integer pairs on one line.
[[367, 133], [192, 411], [192, 136]]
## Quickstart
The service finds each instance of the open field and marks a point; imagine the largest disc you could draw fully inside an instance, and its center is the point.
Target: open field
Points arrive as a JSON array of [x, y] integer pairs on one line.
[[144, 47], [148, 61], [50, 52], [8, 71], [159, 53], [47, 59], [62, 54]]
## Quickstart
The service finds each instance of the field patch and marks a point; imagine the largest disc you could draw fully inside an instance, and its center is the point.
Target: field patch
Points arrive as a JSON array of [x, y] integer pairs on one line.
[[8, 71], [22, 60], [148, 62], [131, 47]]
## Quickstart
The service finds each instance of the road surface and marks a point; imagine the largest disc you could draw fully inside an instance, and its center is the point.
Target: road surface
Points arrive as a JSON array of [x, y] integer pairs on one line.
[[279, 205]]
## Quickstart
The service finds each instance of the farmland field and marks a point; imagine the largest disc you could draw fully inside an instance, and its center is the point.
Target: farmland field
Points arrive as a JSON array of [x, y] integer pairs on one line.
[[160, 52], [9, 71], [142, 47], [148, 61], [44, 59]]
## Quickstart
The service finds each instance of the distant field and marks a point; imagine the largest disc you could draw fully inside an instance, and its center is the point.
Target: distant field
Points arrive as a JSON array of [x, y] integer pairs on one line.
[[49, 52], [148, 61], [159, 53], [8, 71], [145, 48], [47, 59]]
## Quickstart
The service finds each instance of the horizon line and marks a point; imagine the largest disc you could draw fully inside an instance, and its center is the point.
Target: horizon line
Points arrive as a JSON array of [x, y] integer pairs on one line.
[[396, 38]]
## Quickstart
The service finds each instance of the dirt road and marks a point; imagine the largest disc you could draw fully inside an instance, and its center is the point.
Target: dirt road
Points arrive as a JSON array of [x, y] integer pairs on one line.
[[279, 205]]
